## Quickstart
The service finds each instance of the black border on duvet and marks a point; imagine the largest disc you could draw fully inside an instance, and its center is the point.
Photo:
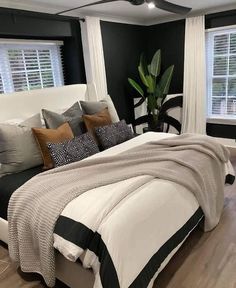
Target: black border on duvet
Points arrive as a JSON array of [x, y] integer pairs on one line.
[[85, 238]]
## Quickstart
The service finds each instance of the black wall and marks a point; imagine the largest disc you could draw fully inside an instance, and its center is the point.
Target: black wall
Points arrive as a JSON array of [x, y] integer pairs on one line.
[[169, 37], [122, 45], [214, 21], [20, 24]]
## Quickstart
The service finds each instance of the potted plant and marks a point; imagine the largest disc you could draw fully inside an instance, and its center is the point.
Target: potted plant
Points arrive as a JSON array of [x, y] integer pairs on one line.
[[153, 89]]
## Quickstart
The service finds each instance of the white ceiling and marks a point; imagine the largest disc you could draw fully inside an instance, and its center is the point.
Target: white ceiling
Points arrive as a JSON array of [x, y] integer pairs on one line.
[[121, 11]]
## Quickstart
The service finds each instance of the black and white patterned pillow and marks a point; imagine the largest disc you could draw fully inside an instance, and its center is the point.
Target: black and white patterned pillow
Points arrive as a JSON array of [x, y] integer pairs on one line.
[[73, 150], [111, 135]]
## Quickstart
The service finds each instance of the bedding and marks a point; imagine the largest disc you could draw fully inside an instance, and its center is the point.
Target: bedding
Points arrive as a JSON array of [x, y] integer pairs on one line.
[[92, 107], [73, 116], [18, 148], [73, 150], [44, 136], [114, 134], [9, 183], [99, 119], [134, 207]]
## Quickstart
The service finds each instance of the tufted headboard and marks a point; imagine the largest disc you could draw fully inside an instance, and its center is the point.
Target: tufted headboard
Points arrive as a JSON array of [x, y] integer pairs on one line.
[[25, 104]]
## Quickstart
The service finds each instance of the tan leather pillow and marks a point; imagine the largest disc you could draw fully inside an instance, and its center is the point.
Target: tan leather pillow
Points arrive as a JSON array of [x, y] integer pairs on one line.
[[99, 119], [44, 136]]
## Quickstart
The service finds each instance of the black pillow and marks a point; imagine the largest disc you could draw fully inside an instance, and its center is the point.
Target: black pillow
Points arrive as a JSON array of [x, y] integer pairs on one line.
[[73, 150], [111, 135]]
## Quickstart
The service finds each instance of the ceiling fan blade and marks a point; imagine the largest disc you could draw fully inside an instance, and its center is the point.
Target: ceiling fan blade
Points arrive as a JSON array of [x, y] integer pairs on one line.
[[87, 5], [171, 7]]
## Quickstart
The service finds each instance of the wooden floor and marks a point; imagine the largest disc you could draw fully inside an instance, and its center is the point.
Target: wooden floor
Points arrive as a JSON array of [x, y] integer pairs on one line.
[[206, 260]]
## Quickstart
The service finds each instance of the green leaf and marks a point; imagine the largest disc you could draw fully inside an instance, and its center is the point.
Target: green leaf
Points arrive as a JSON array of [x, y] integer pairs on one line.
[[151, 83], [166, 80], [158, 92], [142, 76], [143, 64], [136, 86], [155, 67], [149, 68]]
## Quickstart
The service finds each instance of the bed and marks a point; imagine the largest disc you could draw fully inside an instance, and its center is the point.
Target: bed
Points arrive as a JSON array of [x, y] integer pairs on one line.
[[170, 201]]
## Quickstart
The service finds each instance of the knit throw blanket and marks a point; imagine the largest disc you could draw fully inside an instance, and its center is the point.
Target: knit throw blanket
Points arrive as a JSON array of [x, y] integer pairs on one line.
[[194, 161]]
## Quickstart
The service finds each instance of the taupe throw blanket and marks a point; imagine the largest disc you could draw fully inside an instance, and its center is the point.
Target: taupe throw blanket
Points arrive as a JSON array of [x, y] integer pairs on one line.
[[194, 161]]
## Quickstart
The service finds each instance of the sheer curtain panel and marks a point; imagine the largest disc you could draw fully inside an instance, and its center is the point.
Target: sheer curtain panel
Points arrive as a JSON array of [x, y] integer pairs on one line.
[[194, 100]]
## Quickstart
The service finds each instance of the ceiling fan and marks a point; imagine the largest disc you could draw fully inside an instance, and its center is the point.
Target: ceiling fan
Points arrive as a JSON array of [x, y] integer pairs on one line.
[[161, 4]]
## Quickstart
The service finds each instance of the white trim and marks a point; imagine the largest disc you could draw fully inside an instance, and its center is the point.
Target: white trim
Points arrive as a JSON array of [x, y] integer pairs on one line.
[[222, 28], [226, 121], [30, 42]]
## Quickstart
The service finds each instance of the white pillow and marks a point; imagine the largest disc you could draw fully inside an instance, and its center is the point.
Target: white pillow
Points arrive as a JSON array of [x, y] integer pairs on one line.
[[18, 148]]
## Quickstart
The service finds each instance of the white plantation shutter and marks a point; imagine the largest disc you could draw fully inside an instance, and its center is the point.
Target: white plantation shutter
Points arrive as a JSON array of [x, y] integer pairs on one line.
[[1, 84], [27, 66], [221, 60]]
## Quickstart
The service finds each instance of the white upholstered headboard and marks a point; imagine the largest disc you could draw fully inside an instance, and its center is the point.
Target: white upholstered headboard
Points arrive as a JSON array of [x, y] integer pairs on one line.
[[25, 104]]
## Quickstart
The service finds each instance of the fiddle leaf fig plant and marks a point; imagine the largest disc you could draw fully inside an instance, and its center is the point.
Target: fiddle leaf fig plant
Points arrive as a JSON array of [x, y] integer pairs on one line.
[[154, 86]]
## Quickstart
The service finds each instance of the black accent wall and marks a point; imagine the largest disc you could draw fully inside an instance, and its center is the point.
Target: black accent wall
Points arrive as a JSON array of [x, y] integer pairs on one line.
[[20, 24], [122, 44], [169, 37]]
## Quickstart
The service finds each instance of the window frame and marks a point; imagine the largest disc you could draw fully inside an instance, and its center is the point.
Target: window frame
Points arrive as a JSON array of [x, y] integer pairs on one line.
[[14, 44], [210, 56]]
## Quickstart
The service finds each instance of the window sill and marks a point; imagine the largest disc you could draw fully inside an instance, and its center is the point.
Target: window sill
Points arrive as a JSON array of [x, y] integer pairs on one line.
[[223, 121]]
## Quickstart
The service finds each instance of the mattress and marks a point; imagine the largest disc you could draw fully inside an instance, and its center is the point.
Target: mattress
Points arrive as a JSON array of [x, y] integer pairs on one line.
[[9, 183]]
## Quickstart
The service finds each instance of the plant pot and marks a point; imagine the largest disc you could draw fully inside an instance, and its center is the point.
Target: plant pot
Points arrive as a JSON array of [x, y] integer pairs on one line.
[[155, 126]]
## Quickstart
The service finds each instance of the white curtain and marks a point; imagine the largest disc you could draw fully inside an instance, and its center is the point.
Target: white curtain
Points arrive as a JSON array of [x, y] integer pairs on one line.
[[94, 56], [194, 99]]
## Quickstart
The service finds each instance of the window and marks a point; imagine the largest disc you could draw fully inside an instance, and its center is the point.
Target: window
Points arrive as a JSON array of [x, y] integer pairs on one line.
[[221, 70], [27, 65]]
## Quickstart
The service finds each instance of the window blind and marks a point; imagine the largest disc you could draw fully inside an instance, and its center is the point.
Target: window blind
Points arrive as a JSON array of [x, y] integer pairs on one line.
[[30, 66], [221, 73], [1, 84]]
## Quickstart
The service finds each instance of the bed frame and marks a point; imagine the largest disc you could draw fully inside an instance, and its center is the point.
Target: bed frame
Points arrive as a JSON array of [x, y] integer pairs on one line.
[[25, 104]]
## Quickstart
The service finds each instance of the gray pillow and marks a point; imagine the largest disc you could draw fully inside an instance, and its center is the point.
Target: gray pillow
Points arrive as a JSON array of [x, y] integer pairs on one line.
[[73, 116], [18, 148], [92, 107], [111, 135], [73, 150]]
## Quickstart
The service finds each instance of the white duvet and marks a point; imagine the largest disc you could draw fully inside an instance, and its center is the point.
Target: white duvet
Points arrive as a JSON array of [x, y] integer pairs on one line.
[[144, 221]]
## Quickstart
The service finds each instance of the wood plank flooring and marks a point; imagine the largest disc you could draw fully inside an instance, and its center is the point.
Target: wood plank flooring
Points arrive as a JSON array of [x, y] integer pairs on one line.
[[206, 260]]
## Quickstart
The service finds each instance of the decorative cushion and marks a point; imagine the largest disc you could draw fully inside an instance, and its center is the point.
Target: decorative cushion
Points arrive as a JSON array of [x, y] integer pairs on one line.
[[18, 148], [44, 136], [73, 150], [73, 116], [111, 135], [99, 119], [92, 107]]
